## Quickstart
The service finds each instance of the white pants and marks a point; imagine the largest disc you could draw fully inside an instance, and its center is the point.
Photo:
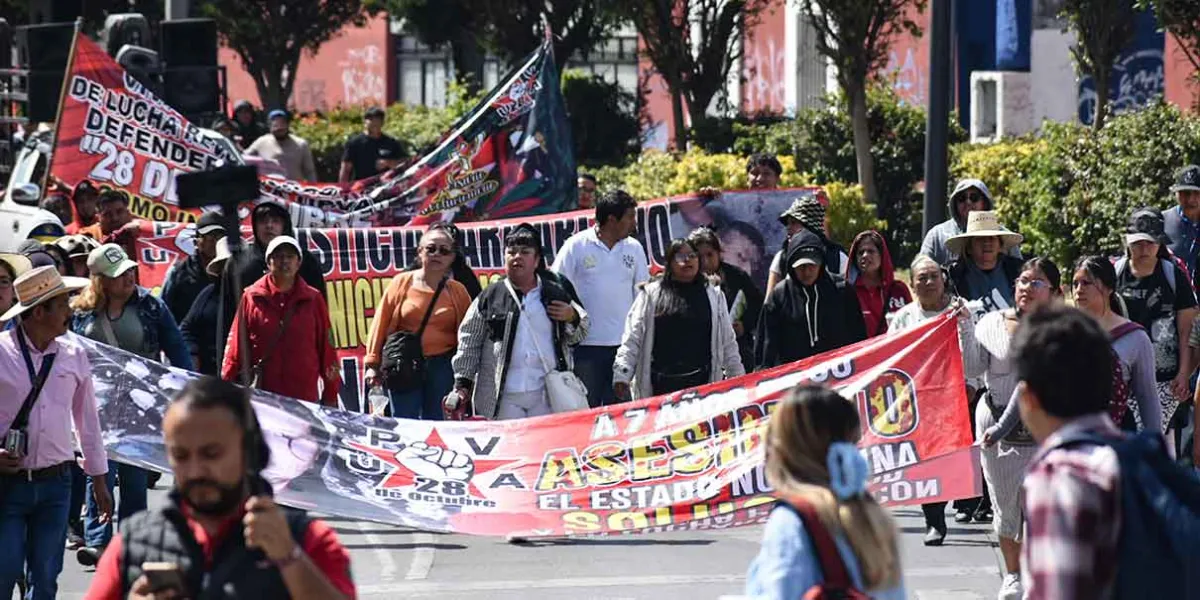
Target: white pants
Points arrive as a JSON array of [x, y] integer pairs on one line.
[[520, 405]]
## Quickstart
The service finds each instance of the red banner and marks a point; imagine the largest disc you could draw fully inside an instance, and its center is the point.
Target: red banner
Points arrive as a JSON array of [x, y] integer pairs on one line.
[[359, 263], [685, 461], [510, 156]]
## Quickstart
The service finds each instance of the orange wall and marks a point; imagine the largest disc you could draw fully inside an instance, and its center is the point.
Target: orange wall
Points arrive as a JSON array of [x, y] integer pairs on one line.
[[763, 63], [1181, 89], [356, 67]]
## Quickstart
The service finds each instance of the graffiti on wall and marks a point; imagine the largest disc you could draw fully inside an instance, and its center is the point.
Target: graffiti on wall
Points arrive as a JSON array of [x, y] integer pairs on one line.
[[1137, 81], [908, 76], [765, 77], [363, 77]]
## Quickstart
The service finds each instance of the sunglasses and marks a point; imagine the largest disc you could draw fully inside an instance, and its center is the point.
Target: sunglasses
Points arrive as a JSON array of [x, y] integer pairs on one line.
[[436, 249], [972, 197]]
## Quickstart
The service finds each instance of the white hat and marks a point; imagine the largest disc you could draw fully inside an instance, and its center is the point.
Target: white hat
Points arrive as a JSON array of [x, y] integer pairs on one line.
[[39, 285], [282, 240], [223, 254], [17, 262], [109, 261], [983, 223]]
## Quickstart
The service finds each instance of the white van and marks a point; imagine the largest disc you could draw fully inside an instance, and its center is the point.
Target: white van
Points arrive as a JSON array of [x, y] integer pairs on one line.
[[20, 217]]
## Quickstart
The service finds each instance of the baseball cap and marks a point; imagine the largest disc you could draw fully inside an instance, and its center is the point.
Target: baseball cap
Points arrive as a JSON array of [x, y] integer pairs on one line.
[[283, 240], [1188, 178], [278, 113], [109, 261], [210, 222], [375, 112], [808, 255], [76, 245], [1145, 225]]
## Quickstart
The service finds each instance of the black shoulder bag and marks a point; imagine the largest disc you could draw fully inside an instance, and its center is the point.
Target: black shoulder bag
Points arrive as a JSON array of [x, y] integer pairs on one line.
[[402, 360], [19, 440]]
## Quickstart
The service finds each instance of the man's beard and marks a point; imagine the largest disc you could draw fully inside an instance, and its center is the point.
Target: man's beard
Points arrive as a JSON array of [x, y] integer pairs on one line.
[[229, 497]]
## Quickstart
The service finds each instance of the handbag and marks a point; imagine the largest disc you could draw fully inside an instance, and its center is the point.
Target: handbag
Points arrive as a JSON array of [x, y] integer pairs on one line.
[[565, 389], [1020, 435], [256, 370], [402, 361]]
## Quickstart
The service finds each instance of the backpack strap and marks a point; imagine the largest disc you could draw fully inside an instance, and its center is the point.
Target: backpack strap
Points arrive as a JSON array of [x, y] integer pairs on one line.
[[1123, 330], [832, 567], [1168, 268]]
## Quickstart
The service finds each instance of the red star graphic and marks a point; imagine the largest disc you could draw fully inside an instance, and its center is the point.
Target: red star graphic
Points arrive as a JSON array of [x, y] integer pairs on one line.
[[401, 476]]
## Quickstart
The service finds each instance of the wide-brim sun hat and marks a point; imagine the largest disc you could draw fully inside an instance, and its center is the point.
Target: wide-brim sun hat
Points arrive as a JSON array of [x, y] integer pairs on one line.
[[217, 264], [38, 286], [982, 224], [19, 264]]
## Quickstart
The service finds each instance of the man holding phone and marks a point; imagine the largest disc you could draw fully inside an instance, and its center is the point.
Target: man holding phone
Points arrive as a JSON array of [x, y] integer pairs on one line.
[[45, 389], [222, 530]]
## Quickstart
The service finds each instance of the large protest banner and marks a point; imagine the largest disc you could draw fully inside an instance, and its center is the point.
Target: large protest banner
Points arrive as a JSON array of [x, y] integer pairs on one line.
[[509, 156], [359, 263], [689, 460]]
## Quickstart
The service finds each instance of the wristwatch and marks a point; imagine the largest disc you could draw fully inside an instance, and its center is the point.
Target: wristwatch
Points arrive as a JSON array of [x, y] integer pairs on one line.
[[292, 557]]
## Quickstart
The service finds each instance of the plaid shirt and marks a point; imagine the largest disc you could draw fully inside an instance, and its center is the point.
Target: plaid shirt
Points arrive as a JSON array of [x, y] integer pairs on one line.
[[1072, 513]]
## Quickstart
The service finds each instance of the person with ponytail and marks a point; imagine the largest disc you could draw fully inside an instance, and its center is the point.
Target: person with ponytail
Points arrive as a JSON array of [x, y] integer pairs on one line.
[[821, 479], [1004, 462], [1094, 282]]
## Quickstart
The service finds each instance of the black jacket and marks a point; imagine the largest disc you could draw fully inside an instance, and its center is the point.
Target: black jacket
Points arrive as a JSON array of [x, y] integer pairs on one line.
[[734, 280], [800, 321], [199, 328], [182, 285]]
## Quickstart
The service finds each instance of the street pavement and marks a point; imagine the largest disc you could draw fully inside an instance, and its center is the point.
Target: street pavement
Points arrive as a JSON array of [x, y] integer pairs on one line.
[[392, 562]]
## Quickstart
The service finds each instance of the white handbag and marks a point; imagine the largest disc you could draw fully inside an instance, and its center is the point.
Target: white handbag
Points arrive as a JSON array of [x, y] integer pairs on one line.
[[565, 389]]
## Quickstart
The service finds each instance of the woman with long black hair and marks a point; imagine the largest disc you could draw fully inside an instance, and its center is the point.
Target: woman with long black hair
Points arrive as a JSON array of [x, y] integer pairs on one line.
[[678, 334], [742, 297]]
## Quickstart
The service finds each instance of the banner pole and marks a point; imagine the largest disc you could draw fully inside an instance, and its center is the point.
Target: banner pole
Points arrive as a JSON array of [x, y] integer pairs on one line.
[[62, 101]]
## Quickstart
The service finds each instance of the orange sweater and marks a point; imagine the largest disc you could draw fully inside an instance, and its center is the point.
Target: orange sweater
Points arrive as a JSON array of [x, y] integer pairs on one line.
[[402, 308]]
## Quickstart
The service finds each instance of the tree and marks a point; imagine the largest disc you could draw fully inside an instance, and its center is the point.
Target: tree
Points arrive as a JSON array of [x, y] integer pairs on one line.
[[692, 45], [1182, 19], [514, 28], [1103, 29], [603, 117], [269, 35], [855, 35], [437, 23]]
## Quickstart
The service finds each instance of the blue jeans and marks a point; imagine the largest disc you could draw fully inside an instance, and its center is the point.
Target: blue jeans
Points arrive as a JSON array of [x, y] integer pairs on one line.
[[33, 529], [131, 502], [594, 366], [425, 402]]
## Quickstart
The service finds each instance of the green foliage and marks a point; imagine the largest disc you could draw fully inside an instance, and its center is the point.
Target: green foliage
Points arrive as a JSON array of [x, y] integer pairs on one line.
[[1071, 190], [417, 127], [657, 174], [743, 134], [824, 146], [849, 214], [605, 128]]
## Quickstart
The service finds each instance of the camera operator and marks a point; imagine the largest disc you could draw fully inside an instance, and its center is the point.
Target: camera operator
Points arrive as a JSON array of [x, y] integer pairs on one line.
[[45, 388], [221, 531]]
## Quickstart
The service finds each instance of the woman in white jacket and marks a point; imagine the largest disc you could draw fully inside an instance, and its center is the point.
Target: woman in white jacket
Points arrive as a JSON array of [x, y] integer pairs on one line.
[[678, 334]]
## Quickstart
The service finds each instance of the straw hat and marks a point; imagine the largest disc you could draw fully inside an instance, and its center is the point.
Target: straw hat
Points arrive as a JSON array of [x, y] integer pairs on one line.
[[983, 223], [18, 263], [39, 285]]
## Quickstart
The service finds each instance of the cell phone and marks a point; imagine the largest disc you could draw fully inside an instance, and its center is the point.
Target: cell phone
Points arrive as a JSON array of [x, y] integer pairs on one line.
[[164, 576]]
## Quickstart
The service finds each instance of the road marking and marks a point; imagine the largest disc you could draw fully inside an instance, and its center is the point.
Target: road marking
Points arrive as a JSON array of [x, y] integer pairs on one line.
[[387, 562], [422, 560]]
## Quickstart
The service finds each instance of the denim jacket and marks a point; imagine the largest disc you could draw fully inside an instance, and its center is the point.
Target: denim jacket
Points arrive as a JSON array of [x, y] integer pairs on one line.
[[159, 329]]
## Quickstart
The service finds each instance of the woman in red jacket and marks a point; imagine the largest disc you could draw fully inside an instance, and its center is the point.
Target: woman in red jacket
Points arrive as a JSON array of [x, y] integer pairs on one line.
[[287, 329], [874, 280]]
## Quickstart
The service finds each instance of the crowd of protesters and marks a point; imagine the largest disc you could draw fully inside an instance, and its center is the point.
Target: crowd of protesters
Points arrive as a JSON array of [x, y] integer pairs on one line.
[[443, 346]]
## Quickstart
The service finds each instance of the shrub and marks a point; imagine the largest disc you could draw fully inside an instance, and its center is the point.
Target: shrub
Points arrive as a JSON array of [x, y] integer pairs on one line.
[[743, 134], [657, 174], [824, 146], [1070, 191], [848, 214], [605, 128]]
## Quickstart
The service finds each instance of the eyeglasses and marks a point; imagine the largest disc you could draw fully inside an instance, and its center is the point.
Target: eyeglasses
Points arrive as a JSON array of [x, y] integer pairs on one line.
[[684, 258], [1036, 284], [436, 249]]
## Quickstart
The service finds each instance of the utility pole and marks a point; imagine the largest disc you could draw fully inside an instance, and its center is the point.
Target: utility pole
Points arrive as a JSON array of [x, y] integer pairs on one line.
[[937, 117]]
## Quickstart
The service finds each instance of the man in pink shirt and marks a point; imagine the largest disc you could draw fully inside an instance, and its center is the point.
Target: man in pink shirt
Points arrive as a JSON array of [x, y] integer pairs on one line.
[[36, 450]]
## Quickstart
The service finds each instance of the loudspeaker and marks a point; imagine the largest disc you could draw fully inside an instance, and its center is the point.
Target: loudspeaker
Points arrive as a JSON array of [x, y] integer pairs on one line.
[[189, 49], [44, 49], [125, 29], [189, 42], [6, 45]]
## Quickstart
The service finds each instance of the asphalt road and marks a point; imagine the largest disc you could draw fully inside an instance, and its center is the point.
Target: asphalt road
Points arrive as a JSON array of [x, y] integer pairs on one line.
[[391, 562]]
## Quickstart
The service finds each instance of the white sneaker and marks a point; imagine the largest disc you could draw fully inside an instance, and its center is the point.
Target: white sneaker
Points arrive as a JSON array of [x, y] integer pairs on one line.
[[1010, 588]]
